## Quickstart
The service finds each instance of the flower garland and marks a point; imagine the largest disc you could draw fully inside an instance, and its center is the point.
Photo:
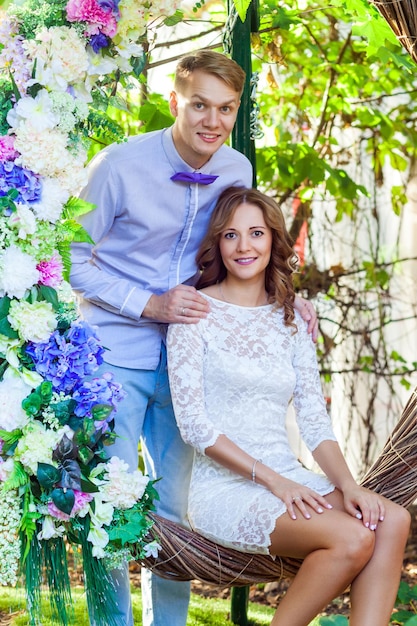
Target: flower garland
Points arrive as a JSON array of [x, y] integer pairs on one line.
[[57, 485]]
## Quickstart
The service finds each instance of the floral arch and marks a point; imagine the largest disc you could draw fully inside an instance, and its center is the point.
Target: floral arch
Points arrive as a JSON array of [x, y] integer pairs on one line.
[[57, 486]]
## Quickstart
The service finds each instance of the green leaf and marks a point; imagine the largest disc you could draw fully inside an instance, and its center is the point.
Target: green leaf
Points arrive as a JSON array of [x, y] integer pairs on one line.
[[242, 8], [65, 449], [85, 454], [175, 19], [70, 475], [101, 411], [63, 500], [32, 403], [47, 475], [138, 64], [333, 620], [76, 207], [5, 328], [77, 232], [17, 478], [50, 295], [10, 437], [64, 249]]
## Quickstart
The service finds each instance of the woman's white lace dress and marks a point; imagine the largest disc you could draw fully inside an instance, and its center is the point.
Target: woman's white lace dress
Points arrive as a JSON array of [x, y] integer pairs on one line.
[[234, 373]]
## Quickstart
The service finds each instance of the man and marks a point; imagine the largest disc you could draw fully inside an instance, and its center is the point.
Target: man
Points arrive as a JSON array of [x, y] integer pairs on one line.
[[151, 215]]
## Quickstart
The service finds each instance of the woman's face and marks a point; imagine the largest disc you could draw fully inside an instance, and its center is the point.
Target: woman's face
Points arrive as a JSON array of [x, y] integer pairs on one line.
[[246, 243]]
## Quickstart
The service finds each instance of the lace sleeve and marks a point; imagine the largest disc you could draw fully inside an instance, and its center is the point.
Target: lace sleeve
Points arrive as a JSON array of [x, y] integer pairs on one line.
[[310, 407], [186, 378]]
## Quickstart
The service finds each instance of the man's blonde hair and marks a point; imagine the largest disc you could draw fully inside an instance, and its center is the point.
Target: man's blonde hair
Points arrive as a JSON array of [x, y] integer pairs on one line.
[[213, 63]]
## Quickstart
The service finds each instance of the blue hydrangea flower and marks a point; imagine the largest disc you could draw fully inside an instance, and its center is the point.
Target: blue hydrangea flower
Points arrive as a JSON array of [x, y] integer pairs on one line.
[[27, 183], [67, 359]]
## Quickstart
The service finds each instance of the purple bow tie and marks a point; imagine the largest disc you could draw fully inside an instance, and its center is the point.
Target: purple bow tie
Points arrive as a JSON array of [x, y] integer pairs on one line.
[[194, 177]]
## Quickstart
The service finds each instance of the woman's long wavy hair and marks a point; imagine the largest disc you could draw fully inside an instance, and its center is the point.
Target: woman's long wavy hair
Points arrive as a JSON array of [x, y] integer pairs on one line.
[[283, 262]]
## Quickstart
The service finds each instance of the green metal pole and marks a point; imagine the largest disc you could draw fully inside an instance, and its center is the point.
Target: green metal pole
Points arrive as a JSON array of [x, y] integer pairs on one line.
[[239, 42], [240, 50]]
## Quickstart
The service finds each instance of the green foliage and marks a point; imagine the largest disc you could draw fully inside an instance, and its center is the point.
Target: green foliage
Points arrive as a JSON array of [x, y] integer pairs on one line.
[[241, 8], [40, 14], [5, 328], [339, 116], [6, 103], [154, 113]]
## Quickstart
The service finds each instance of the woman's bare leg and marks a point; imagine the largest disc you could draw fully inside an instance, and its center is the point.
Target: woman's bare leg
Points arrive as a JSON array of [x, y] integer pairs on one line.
[[335, 548], [374, 590]]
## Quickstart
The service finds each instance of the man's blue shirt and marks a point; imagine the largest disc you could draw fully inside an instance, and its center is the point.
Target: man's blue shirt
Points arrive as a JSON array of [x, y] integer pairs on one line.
[[146, 230]]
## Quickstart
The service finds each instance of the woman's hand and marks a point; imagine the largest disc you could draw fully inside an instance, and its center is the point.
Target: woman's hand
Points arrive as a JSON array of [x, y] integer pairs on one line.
[[364, 505], [296, 497]]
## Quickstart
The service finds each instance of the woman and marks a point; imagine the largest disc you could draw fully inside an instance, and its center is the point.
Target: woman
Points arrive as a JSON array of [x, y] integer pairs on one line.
[[232, 376]]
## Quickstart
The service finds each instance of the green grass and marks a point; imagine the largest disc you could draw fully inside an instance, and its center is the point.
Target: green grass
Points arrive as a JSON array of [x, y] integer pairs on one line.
[[202, 612]]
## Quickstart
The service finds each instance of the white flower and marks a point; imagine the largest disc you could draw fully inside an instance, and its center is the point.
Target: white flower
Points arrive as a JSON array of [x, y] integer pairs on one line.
[[99, 538], [99, 65], [10, 347], [6, 468], [12, 392], [10, 545], [52, 201], [38, 110], [122, 488], [48, 155], [61, 59], [37, 445], [50, 529], [103, 512], [151, 549], [23, 220], [17, 272], [33, 321]]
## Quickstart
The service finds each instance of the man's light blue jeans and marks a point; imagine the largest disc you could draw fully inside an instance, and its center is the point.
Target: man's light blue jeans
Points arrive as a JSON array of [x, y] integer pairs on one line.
[[147, 413]]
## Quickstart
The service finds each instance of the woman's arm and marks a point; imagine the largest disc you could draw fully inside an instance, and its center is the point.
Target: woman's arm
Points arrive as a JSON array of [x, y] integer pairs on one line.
[[227, 453]]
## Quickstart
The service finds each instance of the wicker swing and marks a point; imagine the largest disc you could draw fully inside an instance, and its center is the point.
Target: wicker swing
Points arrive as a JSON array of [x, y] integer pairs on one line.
[[185, 555]]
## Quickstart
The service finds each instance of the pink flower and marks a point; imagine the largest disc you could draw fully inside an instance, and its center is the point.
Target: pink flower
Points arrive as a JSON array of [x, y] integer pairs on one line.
[[50, 271], [7, 150], [91, 12], [81, 501]]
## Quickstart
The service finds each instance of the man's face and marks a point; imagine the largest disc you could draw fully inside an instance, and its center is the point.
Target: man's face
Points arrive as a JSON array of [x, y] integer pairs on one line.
[[205, 112]]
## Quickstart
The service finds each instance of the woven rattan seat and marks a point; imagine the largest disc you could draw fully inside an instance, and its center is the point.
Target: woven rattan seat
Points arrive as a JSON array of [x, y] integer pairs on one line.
[[185, 555]]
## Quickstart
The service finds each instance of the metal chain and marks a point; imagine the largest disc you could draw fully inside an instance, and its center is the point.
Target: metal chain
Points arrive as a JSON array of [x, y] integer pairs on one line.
[[228, 30], [255, 127]]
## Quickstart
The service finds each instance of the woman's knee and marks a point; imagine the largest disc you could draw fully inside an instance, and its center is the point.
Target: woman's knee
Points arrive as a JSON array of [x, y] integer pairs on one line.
[[356, 546], [398, 520]]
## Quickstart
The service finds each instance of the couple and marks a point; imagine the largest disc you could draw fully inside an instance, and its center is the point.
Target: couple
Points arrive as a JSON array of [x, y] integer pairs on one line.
[[154, 196]]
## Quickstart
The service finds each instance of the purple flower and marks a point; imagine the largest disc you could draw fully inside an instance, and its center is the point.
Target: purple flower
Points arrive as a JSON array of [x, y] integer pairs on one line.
[[110, 6], [26, 182], [50, 271], [66, 359], [98, 41], [97, 391]]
